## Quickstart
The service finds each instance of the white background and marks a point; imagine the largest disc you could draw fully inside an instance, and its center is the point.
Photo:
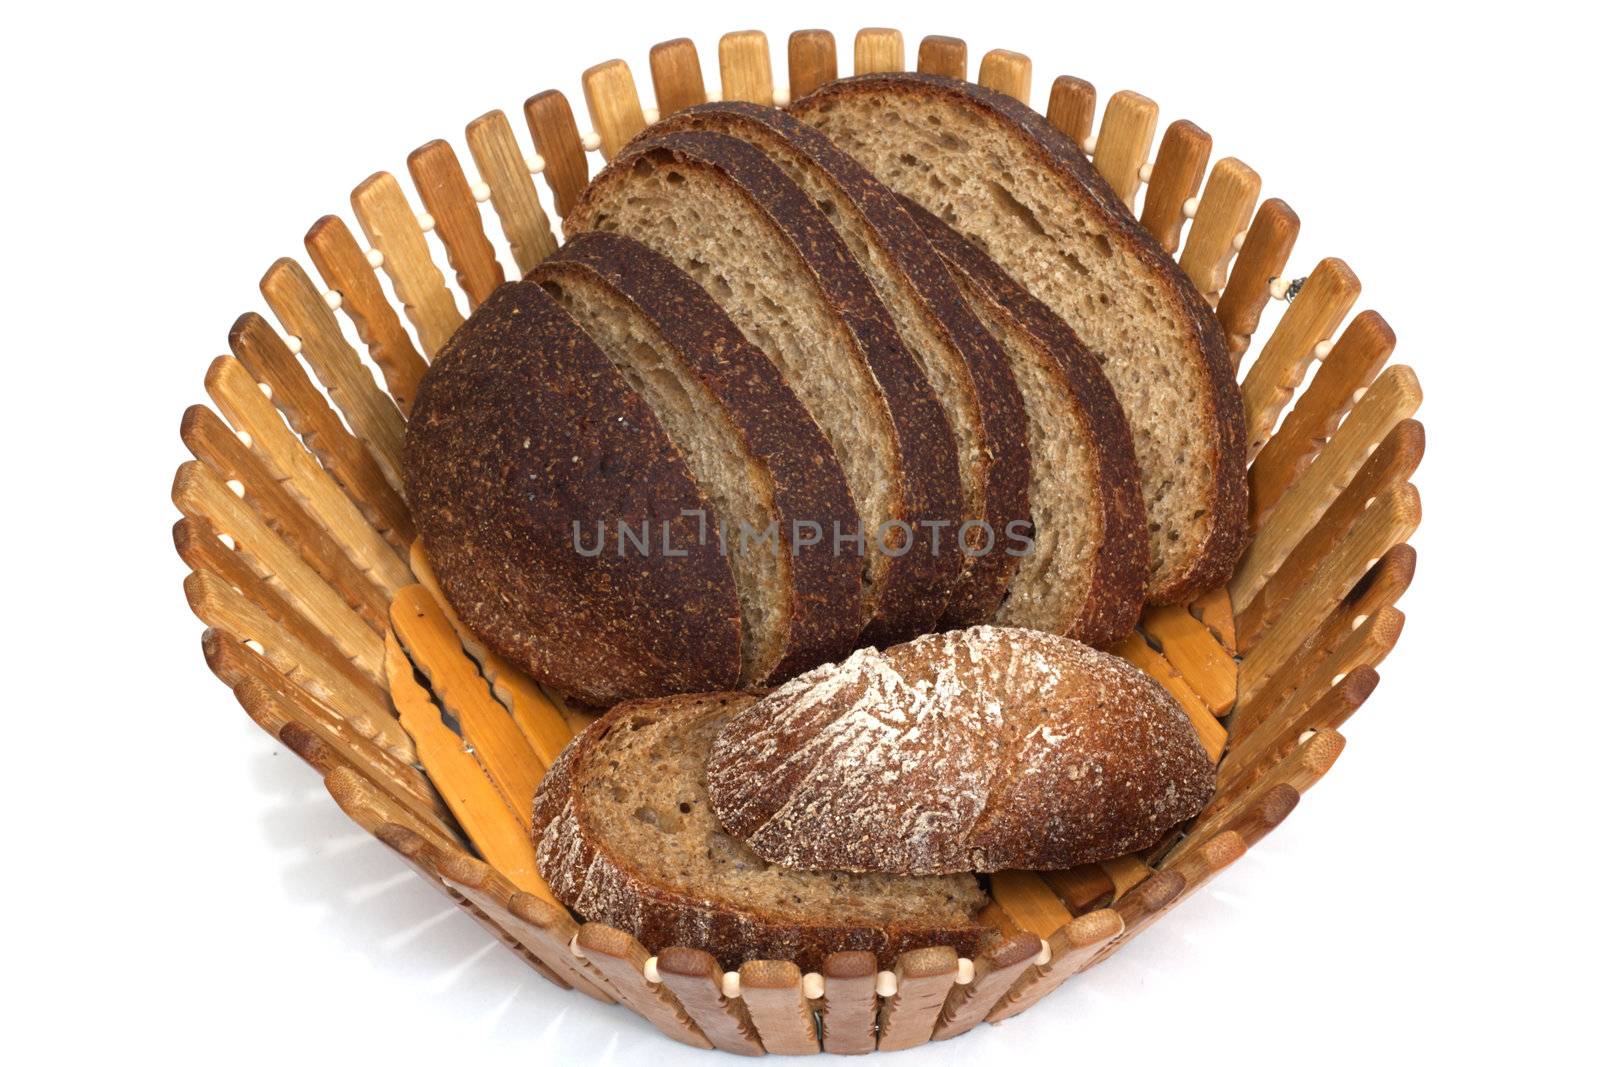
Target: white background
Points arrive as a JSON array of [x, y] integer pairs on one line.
[[181, 886]]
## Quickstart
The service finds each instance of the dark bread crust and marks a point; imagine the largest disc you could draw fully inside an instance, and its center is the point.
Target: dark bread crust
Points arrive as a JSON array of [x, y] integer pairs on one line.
[[1227, 535], [914, 587], [522, 427], [601, 884], [975, 750], [999, 403], [1121, 574], [808, 483]]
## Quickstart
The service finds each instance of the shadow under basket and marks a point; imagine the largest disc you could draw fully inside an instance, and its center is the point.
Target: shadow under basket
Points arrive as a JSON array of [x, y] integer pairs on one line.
[[325, 623]]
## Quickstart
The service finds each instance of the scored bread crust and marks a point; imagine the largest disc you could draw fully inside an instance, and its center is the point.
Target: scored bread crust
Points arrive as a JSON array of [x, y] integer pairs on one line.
[[522, 427], [808, 484], [1002, 444], [1121, 571], [1227, 534], [914, 587], [985, 749], [602, 884]]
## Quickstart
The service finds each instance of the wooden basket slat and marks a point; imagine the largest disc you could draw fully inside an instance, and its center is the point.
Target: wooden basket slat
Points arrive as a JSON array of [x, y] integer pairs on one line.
[[1276, 735], [270, 708], [1156, 896], [1381, 587], [1222, 214], [1213, 735], [1175, 177], [1395, 396], [1390, 520], [221, 606], [371, 413], [879, 50], [391, 226], [1262, 257], [1391, 464], [1071, 947], [1028, 902], [211, 441], [848, 1009], [745, 67], [774, 996], [923, 978], [621, 959], [542, 724], [945, 56], [813, 61], [447, 197], [1194, 652], [496, 825], [241, 402], [346, 270], [486, 725], [1121, 149], [1083, 888], [1354, 361], [675, 76], [1215, 611], [321, 615], [503, 168], [993, 972], [695, 979], [1302, 768], [1327, 297], [354, 471], [558, 142], [1007, 72], [613, 103], [1071, 108], [1126, 874]]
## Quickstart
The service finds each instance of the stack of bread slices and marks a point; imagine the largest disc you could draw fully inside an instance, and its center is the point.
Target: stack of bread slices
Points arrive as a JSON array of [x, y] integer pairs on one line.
[[803, 385], [892, 361]]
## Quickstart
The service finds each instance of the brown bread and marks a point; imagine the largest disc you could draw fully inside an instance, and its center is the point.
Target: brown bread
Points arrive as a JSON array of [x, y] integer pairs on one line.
[[1087, 574], [975, 750], [730, 218], [522, 430], [966, 366], [627, 838], [998, 173], [747, 440]]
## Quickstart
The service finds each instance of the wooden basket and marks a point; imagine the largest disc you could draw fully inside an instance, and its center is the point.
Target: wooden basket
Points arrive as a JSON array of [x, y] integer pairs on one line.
[[321, 618]]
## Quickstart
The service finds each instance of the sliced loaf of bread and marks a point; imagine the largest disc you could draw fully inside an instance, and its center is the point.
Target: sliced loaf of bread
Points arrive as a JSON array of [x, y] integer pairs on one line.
[[627, 837], [538, 480], [997, 172], [730, 218], [968, 370], [752, 447], [1090, 565]]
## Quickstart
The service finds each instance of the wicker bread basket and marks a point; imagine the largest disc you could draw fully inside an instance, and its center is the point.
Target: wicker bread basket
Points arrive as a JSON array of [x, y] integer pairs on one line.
[[322, 619]]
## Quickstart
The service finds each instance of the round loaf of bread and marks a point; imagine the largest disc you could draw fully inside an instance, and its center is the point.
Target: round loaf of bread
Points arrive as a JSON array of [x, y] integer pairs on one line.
[[975, 750]]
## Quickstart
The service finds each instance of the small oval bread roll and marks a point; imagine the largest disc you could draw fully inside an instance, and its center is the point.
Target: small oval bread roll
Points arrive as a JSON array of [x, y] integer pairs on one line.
[[975, 750]]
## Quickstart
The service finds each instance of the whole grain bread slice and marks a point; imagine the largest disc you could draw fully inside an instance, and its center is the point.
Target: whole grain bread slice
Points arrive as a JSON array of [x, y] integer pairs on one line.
[[627, 837], [998, 173], [1087, 574], [752, 447], [730, 218], [969, 372], [539, 483]]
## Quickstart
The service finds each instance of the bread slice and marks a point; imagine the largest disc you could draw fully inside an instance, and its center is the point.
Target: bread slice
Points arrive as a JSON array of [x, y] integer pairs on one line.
[[1090, 565], [729, 217], [998, 173], [745, 436], [966, 367], [984, 749], [523, 439], [627, 838]]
